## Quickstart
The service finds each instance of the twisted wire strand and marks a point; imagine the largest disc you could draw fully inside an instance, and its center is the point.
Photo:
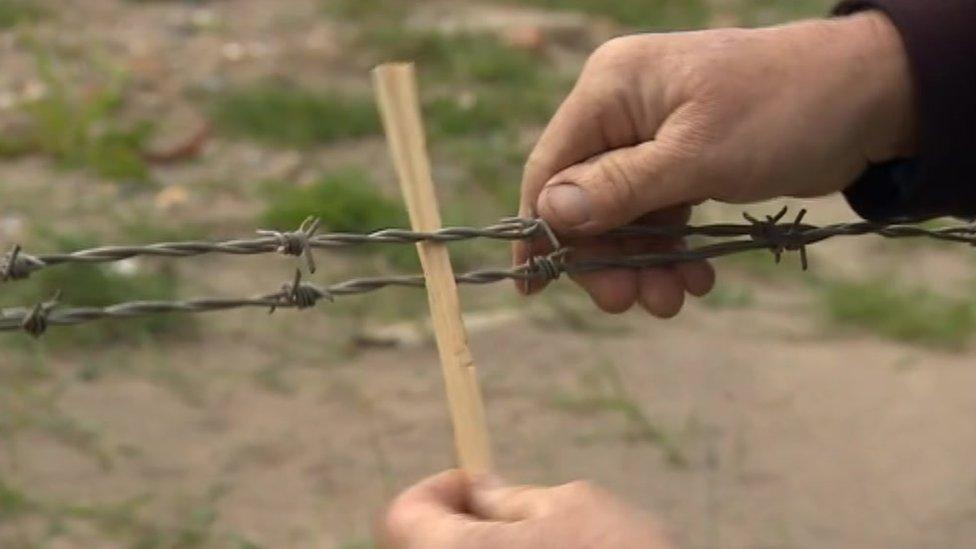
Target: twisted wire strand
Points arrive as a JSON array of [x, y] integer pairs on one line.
[[18, 265], [295, 295], [771, 234]]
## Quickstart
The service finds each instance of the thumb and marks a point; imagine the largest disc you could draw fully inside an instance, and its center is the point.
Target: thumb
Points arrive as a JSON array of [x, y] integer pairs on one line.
[[491, 499], [615, 188]]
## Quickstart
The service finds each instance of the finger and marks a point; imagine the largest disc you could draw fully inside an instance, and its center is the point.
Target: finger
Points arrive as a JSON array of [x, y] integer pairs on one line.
[[571, 136], [590, 120], [612, 290], [504, 503], [617, 187], [602, 113], [698, 277], [576, 132], [661, 291]]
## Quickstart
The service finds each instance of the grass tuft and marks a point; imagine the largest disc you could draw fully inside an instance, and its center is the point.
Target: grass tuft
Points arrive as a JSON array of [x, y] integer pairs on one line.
[[640, 14], [473, 58], [287, 115], [723, 297], [14, 502], [82, 130], [916, 316], [346, 200], [474, 84], [494, 163], [768, 12], [17, 12], [359, 10]]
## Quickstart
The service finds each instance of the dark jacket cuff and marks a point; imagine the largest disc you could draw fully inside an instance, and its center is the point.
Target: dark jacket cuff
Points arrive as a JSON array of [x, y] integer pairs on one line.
[[940, 38]]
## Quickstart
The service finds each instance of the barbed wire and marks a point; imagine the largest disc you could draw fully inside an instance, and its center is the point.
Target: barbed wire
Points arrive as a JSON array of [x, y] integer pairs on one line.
[[18, 265], [771, 234]]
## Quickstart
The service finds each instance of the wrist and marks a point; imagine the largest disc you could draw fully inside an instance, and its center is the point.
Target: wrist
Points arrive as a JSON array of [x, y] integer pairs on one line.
[[882, 84]]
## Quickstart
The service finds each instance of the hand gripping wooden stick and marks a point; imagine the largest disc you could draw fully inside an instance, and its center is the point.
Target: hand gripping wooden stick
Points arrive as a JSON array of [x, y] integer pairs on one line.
[[396, 89]]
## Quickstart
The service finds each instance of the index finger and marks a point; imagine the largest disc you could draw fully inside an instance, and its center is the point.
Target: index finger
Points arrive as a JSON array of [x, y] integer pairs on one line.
[[566, 140]]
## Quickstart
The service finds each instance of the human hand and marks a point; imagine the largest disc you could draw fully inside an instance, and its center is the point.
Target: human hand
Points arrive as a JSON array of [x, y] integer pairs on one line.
[[659, 122], [448, 511]]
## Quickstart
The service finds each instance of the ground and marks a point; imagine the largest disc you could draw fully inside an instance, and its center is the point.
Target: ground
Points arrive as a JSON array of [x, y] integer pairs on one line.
[[831, 408]]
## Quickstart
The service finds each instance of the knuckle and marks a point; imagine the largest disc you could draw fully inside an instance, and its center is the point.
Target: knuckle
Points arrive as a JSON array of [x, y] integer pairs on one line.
[[582, 490], [701, 63], [618, 174], [614, 53], [537, 160]]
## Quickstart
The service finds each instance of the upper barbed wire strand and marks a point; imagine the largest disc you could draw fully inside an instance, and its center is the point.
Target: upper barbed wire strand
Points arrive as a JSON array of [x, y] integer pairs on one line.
[[18, 265]]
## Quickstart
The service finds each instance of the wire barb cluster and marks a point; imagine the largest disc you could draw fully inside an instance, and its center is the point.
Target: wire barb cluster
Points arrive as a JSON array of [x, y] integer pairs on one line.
[[770, 233], [783, 238], [297, 243]]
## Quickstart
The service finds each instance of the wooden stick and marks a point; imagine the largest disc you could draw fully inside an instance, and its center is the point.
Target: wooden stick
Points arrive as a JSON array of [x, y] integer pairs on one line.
[[396, 89]]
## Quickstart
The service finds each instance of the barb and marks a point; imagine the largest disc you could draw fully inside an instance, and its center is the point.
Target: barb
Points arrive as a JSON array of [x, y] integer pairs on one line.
[[780, 238], [770, 234], [36, 321], [297, 243], [17, 266]]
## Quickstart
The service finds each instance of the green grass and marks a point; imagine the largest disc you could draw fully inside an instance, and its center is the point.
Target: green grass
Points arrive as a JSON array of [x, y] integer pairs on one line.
[[17, 12], [768, 12], [647, 15], [472, 58], [494, 163], [13, 502], [723, 297], [79, 133], [472, 84], [288, 115], [639, 14], [359, 10], [489, 111], [762, 264], [346, 200], [82, 130], [909, 315]]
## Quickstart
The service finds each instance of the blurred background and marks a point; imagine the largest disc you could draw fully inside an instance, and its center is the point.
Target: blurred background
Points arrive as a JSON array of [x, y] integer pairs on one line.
[[833, 408]]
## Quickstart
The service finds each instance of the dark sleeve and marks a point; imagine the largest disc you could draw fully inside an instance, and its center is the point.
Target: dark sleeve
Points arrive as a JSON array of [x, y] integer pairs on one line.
[[940, 37]]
